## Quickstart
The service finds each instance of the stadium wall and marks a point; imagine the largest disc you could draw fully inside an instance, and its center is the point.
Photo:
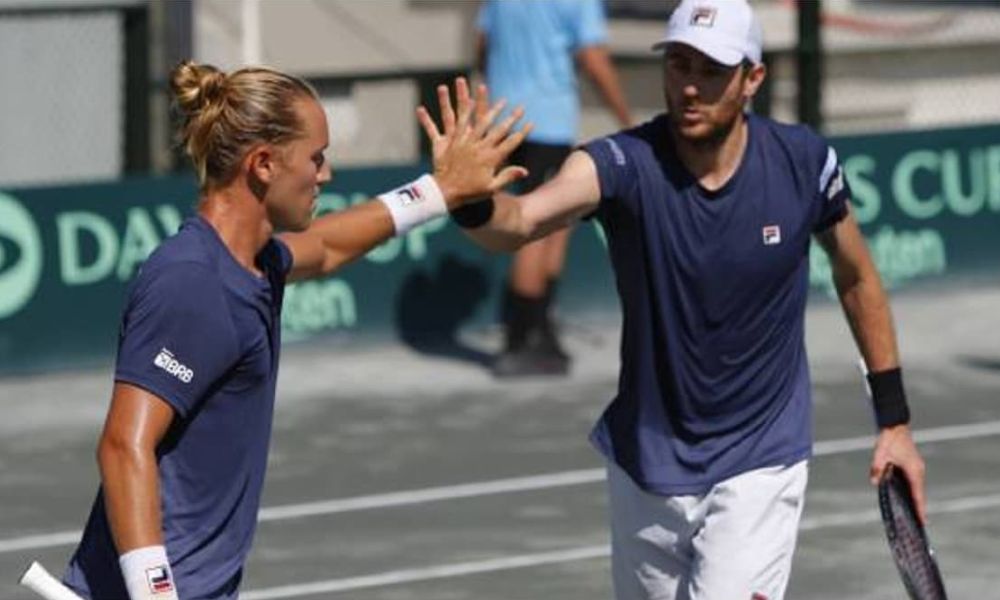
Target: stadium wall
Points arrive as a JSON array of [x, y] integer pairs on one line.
[[929, 203]]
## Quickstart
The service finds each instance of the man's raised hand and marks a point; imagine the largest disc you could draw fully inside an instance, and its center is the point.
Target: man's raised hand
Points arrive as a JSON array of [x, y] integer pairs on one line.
[[471, 148]]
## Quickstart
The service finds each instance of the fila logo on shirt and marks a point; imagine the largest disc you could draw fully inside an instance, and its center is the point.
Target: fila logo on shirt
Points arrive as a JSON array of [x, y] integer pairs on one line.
[[166, 361], [772, 235], [159, 580], [703, 16]]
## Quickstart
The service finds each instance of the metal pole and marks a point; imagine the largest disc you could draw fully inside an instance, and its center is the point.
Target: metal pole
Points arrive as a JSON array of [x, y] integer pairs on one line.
[[137, 90], [809, 55]]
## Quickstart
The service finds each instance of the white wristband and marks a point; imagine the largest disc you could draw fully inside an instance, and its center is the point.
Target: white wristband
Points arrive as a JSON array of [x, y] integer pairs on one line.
[[147, 574], [414, 203]]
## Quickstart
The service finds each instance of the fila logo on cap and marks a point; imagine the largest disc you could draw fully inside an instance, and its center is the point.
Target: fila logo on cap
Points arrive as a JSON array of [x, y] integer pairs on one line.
[[772, 235], [703, 16]]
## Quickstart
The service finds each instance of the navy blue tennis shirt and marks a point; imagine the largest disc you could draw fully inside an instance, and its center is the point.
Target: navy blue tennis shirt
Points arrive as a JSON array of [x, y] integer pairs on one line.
[[202, 333], [714, 378]]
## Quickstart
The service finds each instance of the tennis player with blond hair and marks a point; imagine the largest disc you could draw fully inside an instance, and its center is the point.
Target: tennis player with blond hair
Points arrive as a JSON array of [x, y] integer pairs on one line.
[[184, 447]]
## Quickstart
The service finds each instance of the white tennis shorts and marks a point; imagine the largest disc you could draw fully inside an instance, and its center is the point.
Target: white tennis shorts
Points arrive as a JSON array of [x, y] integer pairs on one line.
[[733, 543]]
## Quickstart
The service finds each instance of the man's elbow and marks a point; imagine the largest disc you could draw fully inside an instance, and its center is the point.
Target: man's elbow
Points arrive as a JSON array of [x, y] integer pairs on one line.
[[116, 454]]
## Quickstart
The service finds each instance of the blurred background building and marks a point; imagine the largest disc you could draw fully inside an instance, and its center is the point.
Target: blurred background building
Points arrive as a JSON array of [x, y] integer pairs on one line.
[[84, 80]]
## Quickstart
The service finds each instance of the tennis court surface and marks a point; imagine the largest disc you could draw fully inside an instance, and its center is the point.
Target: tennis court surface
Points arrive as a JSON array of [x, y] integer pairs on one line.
[[397, 476]]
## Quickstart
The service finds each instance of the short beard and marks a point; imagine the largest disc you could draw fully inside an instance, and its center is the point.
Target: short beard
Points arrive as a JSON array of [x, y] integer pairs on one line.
[[708, 141]]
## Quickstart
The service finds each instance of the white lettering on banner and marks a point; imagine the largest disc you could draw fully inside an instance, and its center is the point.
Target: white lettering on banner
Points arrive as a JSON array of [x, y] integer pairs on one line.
[[115, 256], [166, 361], [138, 242], [18, 231], [965, 183], [898, 255], [993, 177], [962, 203], [314, 306], [866, 199], [72, 226]]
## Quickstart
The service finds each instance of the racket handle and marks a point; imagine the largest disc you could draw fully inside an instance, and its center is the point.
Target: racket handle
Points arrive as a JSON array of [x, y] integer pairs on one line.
[[40, 581]]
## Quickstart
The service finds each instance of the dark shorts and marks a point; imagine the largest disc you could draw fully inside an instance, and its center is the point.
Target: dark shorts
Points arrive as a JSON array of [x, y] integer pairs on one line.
[[541, 160]]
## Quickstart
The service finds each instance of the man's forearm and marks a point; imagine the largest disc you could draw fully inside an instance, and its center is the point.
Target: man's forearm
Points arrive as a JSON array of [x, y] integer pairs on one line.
[[505, 230], [866, 307], [130, 481], [513, 221]]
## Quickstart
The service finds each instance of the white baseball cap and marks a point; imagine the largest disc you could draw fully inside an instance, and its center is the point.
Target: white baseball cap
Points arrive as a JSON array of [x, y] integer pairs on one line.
[[724, 30]]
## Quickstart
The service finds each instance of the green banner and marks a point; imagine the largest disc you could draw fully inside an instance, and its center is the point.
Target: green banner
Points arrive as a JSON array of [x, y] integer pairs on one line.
[[66, 257], [929, 203]]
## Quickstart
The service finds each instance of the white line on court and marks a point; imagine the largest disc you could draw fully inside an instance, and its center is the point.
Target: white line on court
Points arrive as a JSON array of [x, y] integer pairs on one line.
[[44, 540], [520, 561], [450, 492], [438, 572], [499, 486]]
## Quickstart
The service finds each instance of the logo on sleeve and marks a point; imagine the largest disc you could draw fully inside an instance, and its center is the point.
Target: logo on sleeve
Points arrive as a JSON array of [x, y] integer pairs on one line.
[[166, 361], [772, 235], [159, 580], [836, 184], [616, 151]]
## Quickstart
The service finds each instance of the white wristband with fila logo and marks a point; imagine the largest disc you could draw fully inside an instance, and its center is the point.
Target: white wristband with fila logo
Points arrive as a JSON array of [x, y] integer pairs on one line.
[[414, 203], [147, 574]]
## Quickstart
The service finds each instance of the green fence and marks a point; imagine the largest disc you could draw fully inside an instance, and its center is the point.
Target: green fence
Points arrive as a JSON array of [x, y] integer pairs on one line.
[[929, 203]]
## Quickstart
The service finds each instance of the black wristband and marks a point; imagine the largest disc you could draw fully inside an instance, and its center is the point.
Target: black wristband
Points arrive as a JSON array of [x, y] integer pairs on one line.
[[473, 214], [888, 398]]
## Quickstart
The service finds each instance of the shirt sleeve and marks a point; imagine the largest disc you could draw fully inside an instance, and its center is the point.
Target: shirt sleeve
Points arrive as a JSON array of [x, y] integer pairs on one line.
[[614, 170], [591, 26], [834, 192], [177, 336]]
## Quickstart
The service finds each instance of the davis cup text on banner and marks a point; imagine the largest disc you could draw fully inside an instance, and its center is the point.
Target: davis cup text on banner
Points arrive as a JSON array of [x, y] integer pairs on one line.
[[928, 202], [925, 184]]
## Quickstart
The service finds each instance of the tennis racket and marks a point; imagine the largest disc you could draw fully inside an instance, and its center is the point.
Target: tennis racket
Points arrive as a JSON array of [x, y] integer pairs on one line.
[[907, 539], [37, 579]]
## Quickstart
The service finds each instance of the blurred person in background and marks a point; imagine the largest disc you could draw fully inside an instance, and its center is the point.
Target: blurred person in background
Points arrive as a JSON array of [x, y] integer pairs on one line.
[[709, 213], [528, 51], [184, 447]]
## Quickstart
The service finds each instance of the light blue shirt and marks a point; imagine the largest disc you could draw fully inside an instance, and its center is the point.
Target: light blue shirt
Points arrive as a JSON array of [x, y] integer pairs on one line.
[[530, 50]]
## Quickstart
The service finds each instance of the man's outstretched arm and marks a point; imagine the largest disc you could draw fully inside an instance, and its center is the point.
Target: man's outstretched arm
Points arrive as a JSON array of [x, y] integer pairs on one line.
[[507, 222]]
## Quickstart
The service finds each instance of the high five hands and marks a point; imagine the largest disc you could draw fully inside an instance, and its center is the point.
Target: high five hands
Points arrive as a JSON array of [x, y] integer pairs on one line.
[[471, 148]]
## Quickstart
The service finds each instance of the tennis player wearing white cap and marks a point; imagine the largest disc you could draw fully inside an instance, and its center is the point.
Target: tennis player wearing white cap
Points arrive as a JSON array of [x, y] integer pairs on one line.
[[709, 213]]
